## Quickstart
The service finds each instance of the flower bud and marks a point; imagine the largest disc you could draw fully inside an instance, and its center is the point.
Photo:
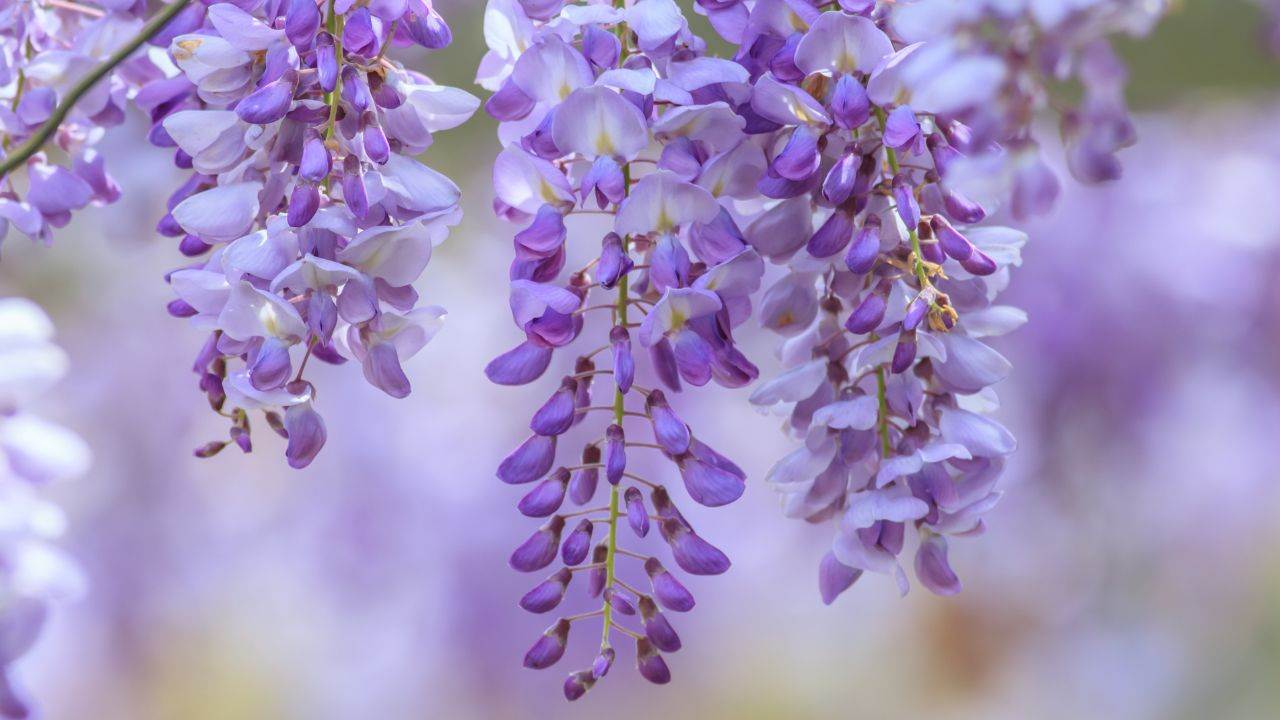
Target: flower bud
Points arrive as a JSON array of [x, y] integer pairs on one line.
[[620, 601], [528, 462], [557, 413], [615, 454], [624, 365], [657, 628], [650, 664], [577, 544], [546, 595], [549, 648], [596, 576], [582, 487], [637, 516], [695, 555], [868, 315], [306, 432], [667, 589], [668, 429], [540, 549], [577, 684], [604, 661], [546, 497]]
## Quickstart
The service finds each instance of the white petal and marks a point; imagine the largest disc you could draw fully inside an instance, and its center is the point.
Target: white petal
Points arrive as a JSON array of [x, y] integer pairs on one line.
[[596, 121], [222, 213]]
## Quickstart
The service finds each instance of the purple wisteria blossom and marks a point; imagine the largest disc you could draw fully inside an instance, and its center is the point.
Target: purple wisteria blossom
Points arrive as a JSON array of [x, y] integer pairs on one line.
[[45, 48], [34, 573], [307, 216], [891, 130], [613, 109]]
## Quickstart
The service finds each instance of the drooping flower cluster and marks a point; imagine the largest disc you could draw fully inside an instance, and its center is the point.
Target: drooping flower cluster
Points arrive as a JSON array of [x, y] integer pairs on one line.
[[34, 573], [875, 119], [306, 210], [45, 48], [612, 109]]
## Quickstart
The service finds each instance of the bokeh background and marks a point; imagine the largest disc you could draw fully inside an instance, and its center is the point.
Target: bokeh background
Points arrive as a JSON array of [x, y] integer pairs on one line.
[[1132, 571]]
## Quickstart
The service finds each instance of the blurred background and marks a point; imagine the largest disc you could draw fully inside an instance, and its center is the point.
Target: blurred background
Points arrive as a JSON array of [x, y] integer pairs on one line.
[[1132, 570]]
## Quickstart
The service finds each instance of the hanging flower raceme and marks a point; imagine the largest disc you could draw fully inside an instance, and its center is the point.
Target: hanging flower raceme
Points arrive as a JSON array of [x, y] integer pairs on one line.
[[873, 120], [307, 214], [34, 573], [613, 110], [45, 50]]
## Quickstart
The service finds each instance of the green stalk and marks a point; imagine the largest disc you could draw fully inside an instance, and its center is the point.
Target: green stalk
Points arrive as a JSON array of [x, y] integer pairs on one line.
[[50, 126], [619, 404]]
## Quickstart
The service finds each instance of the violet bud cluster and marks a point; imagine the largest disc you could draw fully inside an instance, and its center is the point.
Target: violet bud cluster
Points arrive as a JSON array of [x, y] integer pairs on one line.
[[45, 48], [614, 110], [35, 575], [307, 216]]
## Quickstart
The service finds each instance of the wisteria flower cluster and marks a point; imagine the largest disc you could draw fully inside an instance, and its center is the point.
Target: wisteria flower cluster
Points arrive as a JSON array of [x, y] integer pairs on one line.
[[615, 111], [45, 49], [34, 573], [306, 209], [876, 119]]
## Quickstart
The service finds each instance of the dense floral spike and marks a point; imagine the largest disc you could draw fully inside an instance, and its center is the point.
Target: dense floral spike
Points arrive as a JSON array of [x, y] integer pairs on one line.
[[34, 573], [45, 49], [308, 214], [612, 109], [877, 120]]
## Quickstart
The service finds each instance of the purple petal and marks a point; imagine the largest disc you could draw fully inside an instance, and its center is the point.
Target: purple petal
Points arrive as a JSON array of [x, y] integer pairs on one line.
[[657, 628], [543, 237], [540, 549], [868, 315], [850, 106], [546, 595], [865, 249], [695, 555], [519, 366], [271, 367], [577, 544], [549, 648], [582, 487], [268, 103], [834, 577], [382, 369], [650, 664], [546, 497], [615, 454], [577, 684], [800, 158], [530, 461], [709, 485], [901, 129], [600, 666], [557, 414], [614, 261], [668, 429], [637, 515], [833, 236], [624, 365], [932, 568], [667, 589]]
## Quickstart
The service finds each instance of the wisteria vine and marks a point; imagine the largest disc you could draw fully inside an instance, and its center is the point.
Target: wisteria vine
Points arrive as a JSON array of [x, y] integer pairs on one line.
[[67, 72], [878, 118], [612, 110], [306, 207], [860, 147]]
